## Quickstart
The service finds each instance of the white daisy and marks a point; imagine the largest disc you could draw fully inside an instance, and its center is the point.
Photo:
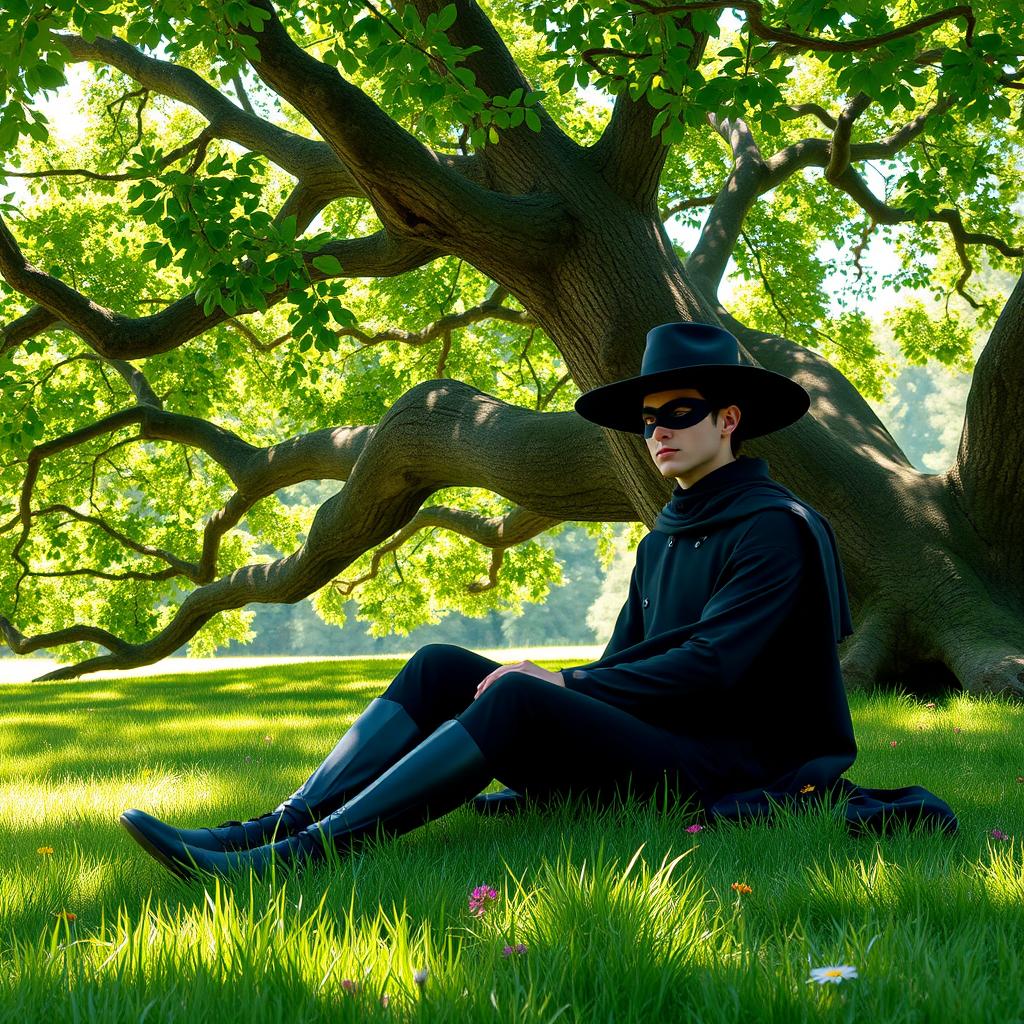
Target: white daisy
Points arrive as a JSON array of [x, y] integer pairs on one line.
[[823, 975]]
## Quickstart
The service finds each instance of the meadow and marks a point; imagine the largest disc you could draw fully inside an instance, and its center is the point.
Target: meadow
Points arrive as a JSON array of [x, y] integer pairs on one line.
[[597, 915]]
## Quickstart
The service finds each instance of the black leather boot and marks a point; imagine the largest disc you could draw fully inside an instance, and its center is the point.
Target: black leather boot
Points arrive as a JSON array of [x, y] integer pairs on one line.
[[439, 774], [374, 741]]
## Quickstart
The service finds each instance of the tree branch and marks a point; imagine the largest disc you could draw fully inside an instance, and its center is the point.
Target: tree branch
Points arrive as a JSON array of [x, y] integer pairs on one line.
[[463, 439], [710, 256], [707, 262], [116, 336], [490, 309], [839, 149], [855, 187], [303, 158], [685, 204], [496, 532], [414, 192], [27, 326], [817, 44], [327, 454], [627, 155], [178, 566], [200, 141]]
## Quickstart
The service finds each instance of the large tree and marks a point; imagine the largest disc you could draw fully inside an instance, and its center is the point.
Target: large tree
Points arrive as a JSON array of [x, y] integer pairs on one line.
[[385, 243]]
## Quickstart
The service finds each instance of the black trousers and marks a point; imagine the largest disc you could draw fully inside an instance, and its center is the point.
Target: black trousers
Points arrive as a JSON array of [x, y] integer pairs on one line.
[[544, 740]]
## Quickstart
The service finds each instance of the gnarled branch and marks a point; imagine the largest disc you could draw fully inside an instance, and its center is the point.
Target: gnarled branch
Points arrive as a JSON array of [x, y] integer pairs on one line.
[[415, 193], [463, 436]]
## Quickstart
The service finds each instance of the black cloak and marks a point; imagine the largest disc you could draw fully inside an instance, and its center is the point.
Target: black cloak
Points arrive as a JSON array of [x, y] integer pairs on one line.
[[728, 637]]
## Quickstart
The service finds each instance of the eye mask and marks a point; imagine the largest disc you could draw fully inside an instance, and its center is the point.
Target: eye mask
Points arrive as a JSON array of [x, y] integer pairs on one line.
[[698, 407]]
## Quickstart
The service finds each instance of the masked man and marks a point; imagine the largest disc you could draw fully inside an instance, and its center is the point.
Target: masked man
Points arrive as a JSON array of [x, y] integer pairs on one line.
[[721, 677]]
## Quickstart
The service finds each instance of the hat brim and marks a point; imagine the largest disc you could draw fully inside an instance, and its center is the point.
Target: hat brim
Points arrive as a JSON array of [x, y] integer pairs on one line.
[[768, 401]]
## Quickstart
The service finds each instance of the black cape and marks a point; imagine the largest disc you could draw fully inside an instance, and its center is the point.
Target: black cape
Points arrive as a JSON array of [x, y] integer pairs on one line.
[[656, 651]]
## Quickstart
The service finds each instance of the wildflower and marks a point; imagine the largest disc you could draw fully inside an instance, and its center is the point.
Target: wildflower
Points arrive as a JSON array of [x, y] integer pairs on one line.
[[420, 976], [478, 899], [998, 833], [824, 975], [694, 828], [742, 888], [349, 985], [930, 704], [46, 851], [809, 788], [65, 915], [519, 947], [268, 739], [384, 1000], [1020, 778], [956, 728], [892, 743]]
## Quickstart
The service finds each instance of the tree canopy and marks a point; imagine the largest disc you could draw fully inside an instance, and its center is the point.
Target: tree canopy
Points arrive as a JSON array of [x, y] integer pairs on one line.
[[387, 244]]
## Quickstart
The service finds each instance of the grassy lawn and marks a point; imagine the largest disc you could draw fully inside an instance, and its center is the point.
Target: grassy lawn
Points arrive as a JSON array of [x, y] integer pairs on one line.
[[623, 914]]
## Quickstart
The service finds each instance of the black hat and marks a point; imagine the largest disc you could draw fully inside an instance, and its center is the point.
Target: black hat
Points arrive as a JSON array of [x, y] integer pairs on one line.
[[701, 356]]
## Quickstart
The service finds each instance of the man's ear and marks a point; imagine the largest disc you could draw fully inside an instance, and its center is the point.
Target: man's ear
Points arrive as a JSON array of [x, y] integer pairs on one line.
[[722, 413]]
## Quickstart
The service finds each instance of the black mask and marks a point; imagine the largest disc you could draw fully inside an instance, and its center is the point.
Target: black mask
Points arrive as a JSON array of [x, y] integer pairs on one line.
[[699, 408]]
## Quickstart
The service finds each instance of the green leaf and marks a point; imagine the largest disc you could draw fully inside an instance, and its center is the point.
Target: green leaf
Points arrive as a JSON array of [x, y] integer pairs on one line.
[[327, 264], [446, 17]]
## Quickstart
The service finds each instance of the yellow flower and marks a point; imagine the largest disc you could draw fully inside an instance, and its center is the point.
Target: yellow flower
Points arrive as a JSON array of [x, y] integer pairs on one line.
[[807, 789], [742, 888], [45, 850]]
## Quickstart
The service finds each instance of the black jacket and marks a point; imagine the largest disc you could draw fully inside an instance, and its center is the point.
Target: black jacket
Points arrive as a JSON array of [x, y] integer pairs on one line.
[[729, 636], [725, 637]]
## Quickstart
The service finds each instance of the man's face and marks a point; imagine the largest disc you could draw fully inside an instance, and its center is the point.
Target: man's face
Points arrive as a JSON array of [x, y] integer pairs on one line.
[[688, 453]]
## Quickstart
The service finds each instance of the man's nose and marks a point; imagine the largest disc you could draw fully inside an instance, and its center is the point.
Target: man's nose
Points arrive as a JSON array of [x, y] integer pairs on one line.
[[661, 432]]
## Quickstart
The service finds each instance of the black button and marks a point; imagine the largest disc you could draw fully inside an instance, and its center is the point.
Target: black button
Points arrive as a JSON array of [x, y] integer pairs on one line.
[[646, 602]]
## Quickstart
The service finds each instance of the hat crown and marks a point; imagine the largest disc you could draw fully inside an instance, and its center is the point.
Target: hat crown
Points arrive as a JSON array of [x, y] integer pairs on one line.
[[677, 346]]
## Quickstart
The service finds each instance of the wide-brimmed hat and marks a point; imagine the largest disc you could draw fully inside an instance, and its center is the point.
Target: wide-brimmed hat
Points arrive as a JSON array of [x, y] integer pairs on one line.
[[701, 356]]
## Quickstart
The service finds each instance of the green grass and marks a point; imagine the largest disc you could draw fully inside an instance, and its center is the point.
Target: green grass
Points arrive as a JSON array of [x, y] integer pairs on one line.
[[625, 916]]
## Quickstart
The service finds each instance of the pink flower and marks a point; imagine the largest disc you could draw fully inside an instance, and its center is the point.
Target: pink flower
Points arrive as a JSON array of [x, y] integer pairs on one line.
[[479, 897], [998, 834], [519, 947], [349, 985], [695, 828], [892, 743]]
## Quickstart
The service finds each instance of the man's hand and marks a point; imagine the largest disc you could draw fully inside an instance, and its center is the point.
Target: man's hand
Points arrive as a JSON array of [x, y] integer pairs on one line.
[[527, 667]]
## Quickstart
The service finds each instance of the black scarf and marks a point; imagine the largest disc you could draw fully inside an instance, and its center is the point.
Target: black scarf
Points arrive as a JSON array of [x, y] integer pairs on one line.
[[740, 489]]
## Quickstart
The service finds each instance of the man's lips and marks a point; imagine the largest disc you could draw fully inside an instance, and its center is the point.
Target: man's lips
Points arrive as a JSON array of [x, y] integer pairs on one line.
[[664, 451]]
